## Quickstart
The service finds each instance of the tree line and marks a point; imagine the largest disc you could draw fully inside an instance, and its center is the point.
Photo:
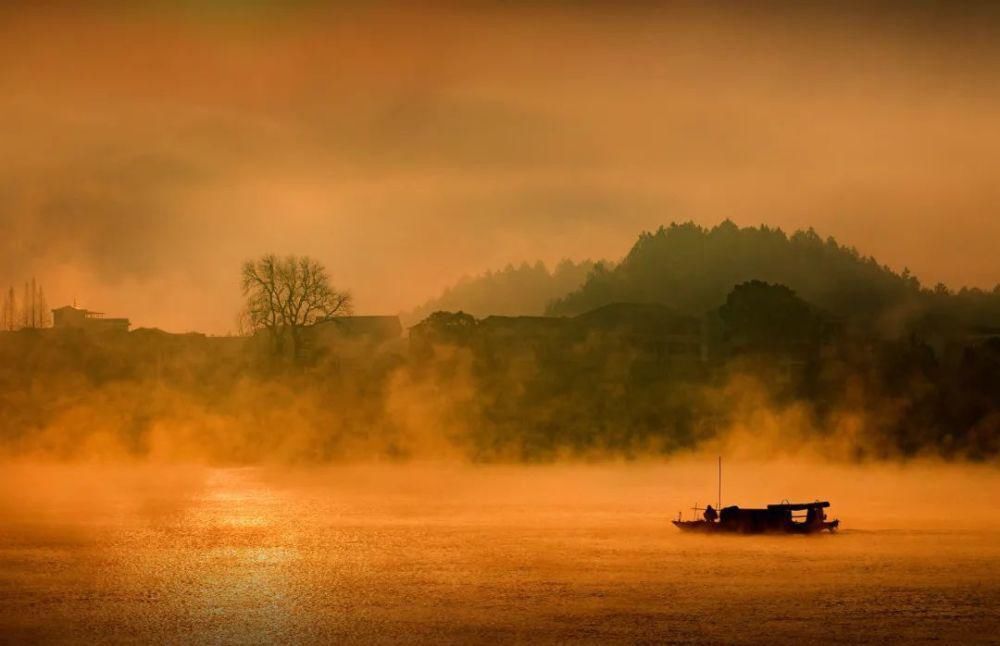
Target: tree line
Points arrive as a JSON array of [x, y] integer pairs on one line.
[[29, 312], [525, 289], [629, 376], [692, 268]]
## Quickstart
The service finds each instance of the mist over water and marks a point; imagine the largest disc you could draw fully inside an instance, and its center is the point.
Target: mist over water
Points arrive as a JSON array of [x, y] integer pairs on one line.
[[453, 552]]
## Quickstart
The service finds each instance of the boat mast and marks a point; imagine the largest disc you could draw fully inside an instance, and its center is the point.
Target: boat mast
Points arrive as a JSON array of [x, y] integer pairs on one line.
[[719, 500]]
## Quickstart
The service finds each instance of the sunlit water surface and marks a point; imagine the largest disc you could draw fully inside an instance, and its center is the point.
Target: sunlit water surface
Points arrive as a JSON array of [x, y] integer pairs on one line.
[[464, 554]]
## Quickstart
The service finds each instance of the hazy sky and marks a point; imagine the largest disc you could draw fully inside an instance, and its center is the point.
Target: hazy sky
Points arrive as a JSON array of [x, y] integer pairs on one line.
[[145, 152]]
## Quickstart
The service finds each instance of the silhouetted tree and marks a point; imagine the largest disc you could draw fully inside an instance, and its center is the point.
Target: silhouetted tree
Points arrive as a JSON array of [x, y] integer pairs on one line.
[[34, 303], [44, 315], [26, 309], [9, 310], [446, 327], [768, 318], [284, 295], [33, 312]]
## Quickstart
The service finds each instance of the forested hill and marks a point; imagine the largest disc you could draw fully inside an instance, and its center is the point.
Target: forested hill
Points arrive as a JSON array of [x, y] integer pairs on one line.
[[514, 291], [692, 268]]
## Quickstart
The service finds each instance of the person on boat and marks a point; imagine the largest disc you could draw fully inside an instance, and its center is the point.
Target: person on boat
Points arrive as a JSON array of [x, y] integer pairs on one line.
[[815, 516], [710, 514]]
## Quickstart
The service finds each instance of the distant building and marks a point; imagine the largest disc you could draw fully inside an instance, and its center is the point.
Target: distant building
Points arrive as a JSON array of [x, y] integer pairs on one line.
[[525, 329], [375, 328], [338, 334], [981, 333], [659, 339], [69, 317]]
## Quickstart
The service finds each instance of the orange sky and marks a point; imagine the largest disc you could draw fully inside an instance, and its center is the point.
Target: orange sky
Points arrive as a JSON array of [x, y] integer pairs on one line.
[[146, 152]]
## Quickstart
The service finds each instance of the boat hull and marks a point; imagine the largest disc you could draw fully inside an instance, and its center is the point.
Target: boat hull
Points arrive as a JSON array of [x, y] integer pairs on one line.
[[705, 527]]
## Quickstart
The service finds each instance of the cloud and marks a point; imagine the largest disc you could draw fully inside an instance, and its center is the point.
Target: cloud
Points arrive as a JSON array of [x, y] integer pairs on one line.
[[117, 216], [156, 148]]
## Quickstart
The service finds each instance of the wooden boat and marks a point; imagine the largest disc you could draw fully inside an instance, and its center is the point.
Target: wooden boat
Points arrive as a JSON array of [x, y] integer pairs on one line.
[[777, 519]]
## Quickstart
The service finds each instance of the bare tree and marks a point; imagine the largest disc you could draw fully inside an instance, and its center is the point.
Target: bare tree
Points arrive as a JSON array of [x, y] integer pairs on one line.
[[26, 309], [284, 295], [10, 310], [44, 315]]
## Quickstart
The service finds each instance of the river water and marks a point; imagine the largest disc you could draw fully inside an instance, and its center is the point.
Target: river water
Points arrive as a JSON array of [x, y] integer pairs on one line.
[[447, 553]]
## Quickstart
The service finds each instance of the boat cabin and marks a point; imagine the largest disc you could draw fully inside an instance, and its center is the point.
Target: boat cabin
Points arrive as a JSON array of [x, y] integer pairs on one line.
[[775, 518]]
